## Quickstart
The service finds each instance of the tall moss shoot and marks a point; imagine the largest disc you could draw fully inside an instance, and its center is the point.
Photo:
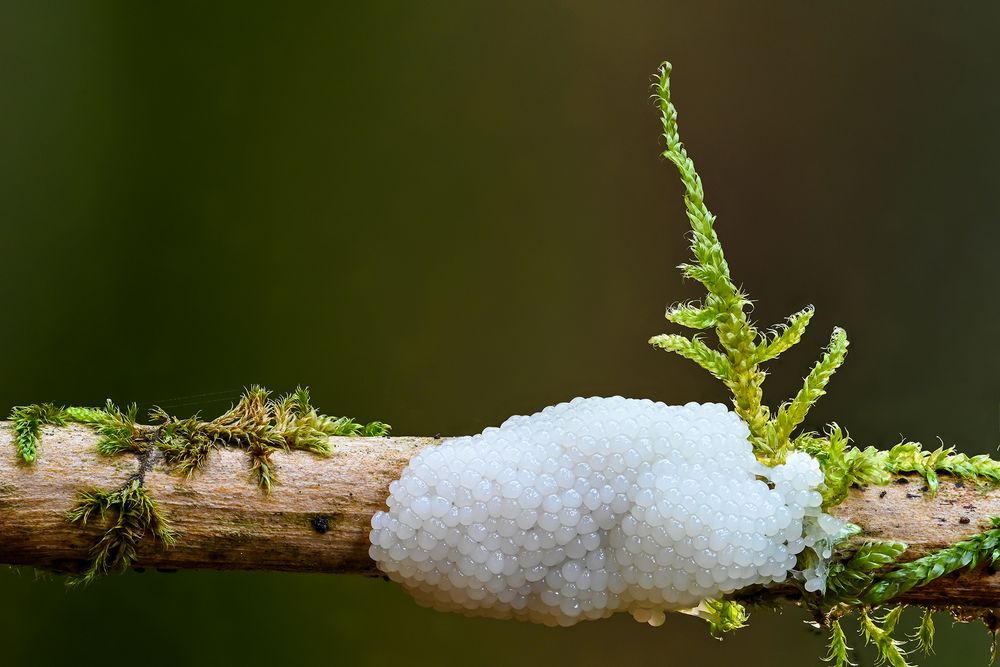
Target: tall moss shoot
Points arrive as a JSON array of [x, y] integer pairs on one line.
[[872, 575]]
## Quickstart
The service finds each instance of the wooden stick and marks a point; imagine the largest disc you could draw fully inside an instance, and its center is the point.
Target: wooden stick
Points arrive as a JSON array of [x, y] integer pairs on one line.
[[317, 518]]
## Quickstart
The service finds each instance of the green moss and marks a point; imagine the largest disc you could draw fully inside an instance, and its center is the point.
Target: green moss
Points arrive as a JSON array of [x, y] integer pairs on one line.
[[872, 575], [742, 348], [878, 632], [848, 580], [967, 553], [723, 616], [27, 421], [117, 428], [924, 635], [838, 650], [257, 424], [130, 513]]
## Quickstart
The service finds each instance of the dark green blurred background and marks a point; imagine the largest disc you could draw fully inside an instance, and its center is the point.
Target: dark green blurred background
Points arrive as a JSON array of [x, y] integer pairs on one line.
[[443, 214]]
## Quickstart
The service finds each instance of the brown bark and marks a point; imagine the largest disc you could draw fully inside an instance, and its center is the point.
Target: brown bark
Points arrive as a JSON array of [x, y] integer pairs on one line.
[[317, 518], [220, 517]]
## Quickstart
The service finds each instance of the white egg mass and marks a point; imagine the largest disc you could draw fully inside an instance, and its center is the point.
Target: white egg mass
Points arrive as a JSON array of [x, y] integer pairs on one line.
[[596, 506]]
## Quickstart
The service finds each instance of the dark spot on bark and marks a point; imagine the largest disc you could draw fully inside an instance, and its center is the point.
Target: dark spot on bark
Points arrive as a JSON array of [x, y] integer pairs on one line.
[[968, 507], [437, 436], [320, 523], [925, 488], [902, 480], [960, 484], [964, 519], [912, 495], [882, 495]]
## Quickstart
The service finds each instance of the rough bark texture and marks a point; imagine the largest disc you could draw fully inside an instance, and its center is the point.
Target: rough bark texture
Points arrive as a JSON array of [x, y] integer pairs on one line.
[[220, 517], [317, 518]]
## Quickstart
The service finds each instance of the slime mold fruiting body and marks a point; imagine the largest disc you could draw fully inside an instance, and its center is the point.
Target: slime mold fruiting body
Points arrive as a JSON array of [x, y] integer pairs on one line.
[[596, 506]]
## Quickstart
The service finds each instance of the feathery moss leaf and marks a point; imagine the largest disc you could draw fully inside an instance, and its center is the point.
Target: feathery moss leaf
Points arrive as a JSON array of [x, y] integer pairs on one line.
[[117, 430], [874, 555], [887, 648], [27, 421], [132, 514], [965, 554], [260, 425], [847, 580], [839, 651], [697, 351], [376, 430], [924, 635], [86, 415], [785, 336], [794, 413], [723, 616], [693, 316], [741, 347]]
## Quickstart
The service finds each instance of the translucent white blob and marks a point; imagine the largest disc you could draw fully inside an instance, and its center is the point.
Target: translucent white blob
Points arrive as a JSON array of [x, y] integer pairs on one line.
[[596, 506]]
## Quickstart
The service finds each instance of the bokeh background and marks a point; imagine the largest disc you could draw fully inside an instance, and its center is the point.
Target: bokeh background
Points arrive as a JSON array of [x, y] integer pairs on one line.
[[442, 214]]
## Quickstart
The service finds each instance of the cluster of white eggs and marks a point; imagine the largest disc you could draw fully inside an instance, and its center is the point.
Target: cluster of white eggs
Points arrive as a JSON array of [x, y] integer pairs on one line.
[[596, 506]]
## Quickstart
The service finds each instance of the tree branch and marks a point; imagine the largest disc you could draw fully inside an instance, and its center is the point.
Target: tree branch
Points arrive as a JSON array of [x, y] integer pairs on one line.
[[317, 518], [220, 517]]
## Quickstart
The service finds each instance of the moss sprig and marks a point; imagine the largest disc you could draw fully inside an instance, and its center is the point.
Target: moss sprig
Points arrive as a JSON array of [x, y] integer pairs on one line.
[[838, 651], [924, 634], [912, 457], [846, 466], [260, 426], [742, 347], [872, 575], [848, 580], [967, 553], [257, 424], [130, 513], [116, 427], [27, 421], [723, 616], [879, 633]]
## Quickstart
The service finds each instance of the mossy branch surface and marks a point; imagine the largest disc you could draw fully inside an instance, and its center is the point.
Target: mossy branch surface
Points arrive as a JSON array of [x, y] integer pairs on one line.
[[28, 420], [257, 424], [868, 579], [130, 514]]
